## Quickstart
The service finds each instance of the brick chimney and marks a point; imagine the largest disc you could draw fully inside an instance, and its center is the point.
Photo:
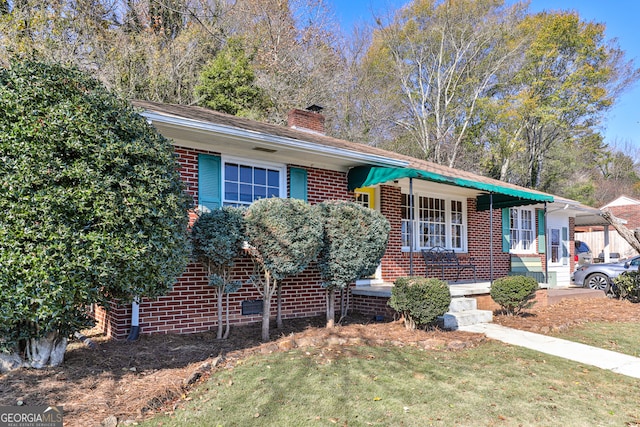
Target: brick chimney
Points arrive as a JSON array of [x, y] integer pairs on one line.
[[309, 120]]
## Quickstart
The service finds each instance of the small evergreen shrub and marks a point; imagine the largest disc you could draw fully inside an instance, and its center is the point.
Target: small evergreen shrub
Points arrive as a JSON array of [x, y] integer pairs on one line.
[[514, 293], [420, 300], [627, 286]]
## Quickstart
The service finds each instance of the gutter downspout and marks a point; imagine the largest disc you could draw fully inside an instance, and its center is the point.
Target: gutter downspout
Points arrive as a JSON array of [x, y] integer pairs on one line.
[[490, 239], [135, 320]]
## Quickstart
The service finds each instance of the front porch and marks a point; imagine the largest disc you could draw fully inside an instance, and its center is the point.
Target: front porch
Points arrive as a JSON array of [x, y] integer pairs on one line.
[[471, 301]]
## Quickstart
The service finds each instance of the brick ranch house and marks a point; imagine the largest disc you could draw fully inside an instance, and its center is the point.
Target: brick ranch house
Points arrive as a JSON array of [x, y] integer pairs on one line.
[[230, 160]]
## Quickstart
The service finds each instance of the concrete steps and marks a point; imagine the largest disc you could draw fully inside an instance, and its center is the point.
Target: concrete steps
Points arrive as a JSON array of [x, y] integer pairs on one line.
[[464, 312]]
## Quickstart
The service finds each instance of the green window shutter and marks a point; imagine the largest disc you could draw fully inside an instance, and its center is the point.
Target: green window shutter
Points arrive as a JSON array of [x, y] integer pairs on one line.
[[565, 248], [298, 183], [542, 244], [506, 229], [209, 182]]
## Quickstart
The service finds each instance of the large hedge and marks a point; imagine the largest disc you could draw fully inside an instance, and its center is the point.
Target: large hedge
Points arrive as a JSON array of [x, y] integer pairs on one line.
[[91, 199]]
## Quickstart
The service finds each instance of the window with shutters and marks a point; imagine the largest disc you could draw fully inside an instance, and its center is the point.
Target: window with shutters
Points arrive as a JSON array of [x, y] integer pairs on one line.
[[521, 230], [243, 182]]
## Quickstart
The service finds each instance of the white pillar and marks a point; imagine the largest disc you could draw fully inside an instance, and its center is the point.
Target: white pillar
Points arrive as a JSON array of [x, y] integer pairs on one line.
[[606, 248]]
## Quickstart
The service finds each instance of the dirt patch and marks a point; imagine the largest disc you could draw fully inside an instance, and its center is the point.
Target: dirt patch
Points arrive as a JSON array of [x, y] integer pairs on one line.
[[131, 381]]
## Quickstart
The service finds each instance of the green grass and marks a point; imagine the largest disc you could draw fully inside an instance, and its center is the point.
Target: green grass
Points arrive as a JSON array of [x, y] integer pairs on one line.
[[493, 384], [620, 337]]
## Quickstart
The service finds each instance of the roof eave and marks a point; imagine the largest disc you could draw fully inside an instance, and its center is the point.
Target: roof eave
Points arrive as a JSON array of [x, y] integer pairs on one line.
[[274, 140]]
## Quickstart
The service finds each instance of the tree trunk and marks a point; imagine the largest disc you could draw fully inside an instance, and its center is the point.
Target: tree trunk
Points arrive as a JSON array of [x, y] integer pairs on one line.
[[266, 305], [46, 351], [9, 362], [633, 238], [220, 296], [344, 309], [331, 307], [266, 309], [227, 327], [409, 323], [279, 308]]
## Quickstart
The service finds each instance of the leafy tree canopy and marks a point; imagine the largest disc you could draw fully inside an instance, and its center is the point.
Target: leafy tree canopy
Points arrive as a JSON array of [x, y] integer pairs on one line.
[[227, 83], [354, 241], [218, 237], [284, 236]]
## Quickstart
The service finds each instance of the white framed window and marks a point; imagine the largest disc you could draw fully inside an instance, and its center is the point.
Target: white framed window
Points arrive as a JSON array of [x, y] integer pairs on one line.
[[521, 229], [365, 197], [437, 221], [244, 181]]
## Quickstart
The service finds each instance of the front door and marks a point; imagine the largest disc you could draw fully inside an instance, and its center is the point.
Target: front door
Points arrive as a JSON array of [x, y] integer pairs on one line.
[[366, 197], [558, 248]]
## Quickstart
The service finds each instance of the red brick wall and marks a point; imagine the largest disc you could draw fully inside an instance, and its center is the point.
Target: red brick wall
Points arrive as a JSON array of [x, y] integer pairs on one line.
[[479, 242], [324, 185], [373, 306], [191, 305], [572, 246], [629, 212]]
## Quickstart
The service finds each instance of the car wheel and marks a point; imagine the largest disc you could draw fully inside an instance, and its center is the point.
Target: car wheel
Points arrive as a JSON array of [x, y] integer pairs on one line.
[[598, 281]]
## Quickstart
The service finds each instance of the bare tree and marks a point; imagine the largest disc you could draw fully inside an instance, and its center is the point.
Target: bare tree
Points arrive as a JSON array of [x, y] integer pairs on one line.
[[296, 52], [443, 58], [632, 237]]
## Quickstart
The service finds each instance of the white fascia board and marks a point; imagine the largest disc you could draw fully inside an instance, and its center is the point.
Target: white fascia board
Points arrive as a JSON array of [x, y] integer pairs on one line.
[[277, 141]]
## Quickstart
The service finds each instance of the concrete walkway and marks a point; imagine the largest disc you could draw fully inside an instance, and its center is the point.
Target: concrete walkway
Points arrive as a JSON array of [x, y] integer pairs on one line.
[[605, 359]]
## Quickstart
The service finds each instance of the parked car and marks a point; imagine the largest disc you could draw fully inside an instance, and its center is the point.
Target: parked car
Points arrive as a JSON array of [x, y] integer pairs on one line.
[[583, 253], [599, 276], [613, 257]]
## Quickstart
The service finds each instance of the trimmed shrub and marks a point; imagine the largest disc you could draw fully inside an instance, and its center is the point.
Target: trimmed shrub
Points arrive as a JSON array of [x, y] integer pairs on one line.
[[627, 286], [420, 300], [284, 236], [217, 238], [514, 293], [354, 242]]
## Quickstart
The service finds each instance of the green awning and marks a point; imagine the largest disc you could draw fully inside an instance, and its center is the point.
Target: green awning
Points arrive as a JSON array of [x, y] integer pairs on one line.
[[367, 176]]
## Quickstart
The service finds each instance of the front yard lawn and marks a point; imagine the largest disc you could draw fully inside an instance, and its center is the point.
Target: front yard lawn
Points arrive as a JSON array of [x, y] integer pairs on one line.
[[619, 337], [492, 384]]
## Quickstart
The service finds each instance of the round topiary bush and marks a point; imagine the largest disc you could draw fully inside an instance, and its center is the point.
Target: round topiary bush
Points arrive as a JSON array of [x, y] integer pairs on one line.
[[420, 300], [514, 293]]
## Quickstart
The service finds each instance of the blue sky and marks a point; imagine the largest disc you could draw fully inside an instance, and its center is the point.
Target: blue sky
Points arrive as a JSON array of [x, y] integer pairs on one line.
[[622, 21]]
